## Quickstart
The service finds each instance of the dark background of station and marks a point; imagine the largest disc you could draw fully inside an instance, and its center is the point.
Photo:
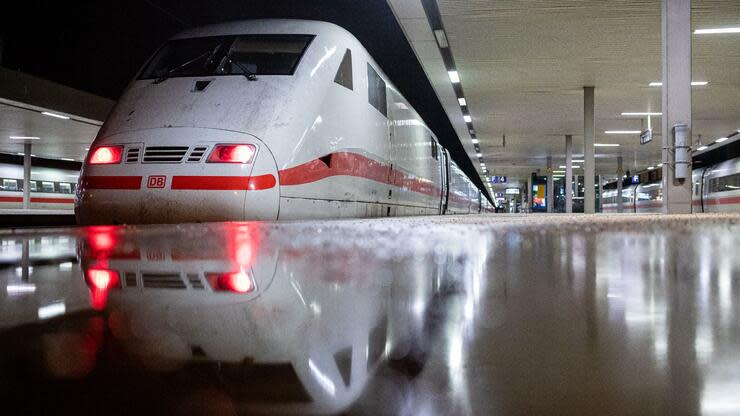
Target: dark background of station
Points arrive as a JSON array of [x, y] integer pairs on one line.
[[97, 46]]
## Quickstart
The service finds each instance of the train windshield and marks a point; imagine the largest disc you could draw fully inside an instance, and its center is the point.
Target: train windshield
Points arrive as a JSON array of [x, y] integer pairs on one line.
[[228, 55]]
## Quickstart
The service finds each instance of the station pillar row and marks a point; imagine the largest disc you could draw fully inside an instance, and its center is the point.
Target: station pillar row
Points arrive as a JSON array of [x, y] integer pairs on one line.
[[589, 136], [676, 104], [550, 185], [568, 174]]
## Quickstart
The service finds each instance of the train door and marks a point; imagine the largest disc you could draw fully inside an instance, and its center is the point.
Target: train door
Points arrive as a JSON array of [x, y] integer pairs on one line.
[[445, 167]]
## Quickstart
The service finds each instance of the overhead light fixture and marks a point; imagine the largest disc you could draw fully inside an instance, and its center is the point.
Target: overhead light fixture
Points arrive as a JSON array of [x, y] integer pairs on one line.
[[479, 154], [558, 171], [563, 167], [660, 165], [721, 139], [467, 118], [462, 101], [577, 161], [454, 76], [693, 83], [476, 141], [575, 167], [46, 113], [651, 167], [67, 159], [606, 144], [441, 38], [718, 30], [704, 147], [622, 132], [25, 137], [642, 114]]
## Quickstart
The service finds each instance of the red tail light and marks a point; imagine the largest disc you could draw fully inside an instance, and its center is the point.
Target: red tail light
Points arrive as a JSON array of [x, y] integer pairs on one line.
[[106, 155], [238, 282], [232, 153], [102, 279]]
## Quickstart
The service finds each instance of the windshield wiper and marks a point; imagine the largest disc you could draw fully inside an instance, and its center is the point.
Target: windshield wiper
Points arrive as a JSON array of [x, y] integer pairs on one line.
[[177, 68], [247, 73]]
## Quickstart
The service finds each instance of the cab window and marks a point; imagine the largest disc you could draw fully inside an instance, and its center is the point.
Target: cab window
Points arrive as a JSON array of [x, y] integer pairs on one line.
[[376, 94], [344, 73]]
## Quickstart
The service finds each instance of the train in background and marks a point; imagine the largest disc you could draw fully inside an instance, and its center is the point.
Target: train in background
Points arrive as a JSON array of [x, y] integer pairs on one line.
[[53, 183], [715, 185], [267, 120]]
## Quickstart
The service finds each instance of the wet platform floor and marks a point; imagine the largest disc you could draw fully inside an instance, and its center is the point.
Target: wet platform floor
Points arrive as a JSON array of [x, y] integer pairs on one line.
[[547, 315]]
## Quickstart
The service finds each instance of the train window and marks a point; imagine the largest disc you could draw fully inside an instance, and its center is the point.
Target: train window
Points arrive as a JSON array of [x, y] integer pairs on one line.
[[376, 91], [725, 183], [435, 151], [47, 187], [33, 186], [10, 184], [228, 55], [344, 73], [65, 188]]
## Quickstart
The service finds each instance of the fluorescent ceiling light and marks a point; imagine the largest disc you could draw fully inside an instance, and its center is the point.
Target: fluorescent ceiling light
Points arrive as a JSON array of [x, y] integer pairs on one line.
[[462, 101], [717, 30], [24, 138], [622, 132], [606, 144], [660, 165], [476, 141], [703, 147], [642, 114], [479, 154], [651, 167], [46, 113], [558, 171], [454, 76], [693, 83], [66, 158], [577, 161], [721, 139], [467, 118], [575, 167], [563, 167], [441, 38]]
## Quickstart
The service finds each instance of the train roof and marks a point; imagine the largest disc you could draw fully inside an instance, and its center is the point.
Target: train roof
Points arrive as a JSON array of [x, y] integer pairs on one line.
[[277, 26]]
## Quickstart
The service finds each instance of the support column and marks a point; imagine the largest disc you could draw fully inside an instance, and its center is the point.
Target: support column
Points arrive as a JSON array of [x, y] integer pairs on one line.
[[568, 174], [620, 181], [550, 185], [676, 54], [600, 187], [27, 176], [589, 135], [529, 193]]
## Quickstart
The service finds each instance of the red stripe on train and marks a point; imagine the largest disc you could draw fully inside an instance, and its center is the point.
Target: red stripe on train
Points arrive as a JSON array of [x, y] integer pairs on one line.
[[224, 183], [723, 201], [111, 182], [356, 165], [42, 200]]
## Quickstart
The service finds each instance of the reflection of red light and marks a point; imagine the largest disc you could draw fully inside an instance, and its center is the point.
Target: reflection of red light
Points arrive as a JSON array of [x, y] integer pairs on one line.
[[102, 241], [238, 282], [100, 281]]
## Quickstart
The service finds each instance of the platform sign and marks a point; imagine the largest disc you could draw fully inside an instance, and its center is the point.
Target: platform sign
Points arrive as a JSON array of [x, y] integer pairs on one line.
[[498, 179], [512, 191], [646, 136]]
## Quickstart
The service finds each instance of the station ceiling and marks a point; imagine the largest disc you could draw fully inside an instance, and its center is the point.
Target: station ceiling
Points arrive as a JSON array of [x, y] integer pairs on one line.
[[523, 65]]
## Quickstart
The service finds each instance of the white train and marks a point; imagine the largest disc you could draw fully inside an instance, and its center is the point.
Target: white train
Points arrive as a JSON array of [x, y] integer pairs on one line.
[[266, 119], [715, 188], [51, 188]]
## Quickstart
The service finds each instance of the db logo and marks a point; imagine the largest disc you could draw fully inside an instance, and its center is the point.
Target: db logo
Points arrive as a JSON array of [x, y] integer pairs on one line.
[[156, 181]]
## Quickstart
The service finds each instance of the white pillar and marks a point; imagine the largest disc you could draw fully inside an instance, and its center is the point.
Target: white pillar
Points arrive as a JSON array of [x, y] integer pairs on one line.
[[620, 181], [589, 133], [550, 185], [568, 174], [27, 176], [676, 54]]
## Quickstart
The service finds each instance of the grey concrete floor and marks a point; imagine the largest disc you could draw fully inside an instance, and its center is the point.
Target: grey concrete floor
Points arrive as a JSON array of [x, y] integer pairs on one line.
[[503, 314]]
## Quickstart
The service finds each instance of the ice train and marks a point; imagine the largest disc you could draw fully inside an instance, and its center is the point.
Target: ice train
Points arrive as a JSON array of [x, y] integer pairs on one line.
[[266, 119]]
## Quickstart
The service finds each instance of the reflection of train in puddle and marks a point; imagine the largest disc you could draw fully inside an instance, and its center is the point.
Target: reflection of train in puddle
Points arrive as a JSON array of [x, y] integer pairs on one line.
[[287, 331]]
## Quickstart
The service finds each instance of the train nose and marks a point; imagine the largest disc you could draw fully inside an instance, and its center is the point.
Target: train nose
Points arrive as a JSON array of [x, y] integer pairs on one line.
[[177, 175]]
